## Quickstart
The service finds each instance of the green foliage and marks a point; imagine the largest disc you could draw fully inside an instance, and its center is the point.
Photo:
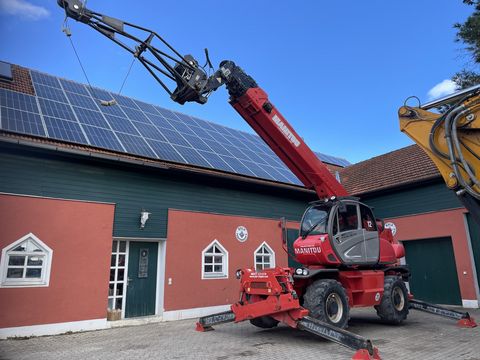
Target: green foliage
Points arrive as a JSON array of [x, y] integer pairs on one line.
[[466, 78], [468, 33]]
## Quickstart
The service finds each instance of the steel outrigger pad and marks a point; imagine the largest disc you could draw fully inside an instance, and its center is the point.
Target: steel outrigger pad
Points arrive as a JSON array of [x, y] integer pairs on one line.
[[464, 318]]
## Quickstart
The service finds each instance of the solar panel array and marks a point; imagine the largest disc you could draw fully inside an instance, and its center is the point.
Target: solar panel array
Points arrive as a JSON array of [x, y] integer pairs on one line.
[[70, 111]]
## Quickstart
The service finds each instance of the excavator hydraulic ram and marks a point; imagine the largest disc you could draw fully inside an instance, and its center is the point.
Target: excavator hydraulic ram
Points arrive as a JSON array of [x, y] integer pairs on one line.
[[452, 140]]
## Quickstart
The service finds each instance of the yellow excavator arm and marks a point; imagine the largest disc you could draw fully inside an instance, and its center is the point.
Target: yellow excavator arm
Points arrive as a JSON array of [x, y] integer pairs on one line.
[[452, 140]]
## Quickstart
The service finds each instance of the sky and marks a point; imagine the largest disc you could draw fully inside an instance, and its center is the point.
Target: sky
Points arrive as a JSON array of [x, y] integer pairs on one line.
[[337, 70]]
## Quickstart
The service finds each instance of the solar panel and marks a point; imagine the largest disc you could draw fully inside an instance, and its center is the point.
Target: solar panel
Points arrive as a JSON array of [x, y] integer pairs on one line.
[[21, 121], [192, 156], [18, 101], [63, 129], [66, 110], [136, 145], [165, 151]]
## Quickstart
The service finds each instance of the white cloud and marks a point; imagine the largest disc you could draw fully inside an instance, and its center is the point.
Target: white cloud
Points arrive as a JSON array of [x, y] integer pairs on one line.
[[443, 88], [23, 9]]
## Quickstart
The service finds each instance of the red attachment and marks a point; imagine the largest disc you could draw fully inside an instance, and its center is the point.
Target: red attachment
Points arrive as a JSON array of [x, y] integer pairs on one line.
[[363, 354], [467, 323], [267, 292], [275, 130], [364, 288], [266, 282], [201, 328], [291, 317], [269, 306]]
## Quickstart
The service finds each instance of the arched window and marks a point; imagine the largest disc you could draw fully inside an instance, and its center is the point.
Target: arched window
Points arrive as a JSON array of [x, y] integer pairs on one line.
[[264, 257], [214, 261], [26, 262]]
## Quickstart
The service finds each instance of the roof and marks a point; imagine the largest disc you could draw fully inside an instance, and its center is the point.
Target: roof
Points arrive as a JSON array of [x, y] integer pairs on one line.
[[401, 167], [54, 109]]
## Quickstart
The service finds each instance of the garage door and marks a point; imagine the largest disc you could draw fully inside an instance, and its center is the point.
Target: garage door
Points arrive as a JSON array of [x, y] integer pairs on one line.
[[475, 241], [434, 274]]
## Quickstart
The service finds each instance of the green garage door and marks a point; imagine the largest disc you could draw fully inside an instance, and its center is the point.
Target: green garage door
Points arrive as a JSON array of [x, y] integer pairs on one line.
[[434, 274], [474, 230]]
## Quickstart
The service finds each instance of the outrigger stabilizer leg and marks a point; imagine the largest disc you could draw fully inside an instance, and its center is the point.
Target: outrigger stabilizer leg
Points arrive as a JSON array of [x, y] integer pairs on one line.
[[271, 293], [363, 347], [464, 318]]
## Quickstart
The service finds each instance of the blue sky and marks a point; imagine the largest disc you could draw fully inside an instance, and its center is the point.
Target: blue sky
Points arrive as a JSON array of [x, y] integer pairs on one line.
[[338, 71]]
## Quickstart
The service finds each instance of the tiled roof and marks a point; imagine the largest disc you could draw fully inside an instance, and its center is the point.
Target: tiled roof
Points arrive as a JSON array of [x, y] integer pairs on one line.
[[400, 167]]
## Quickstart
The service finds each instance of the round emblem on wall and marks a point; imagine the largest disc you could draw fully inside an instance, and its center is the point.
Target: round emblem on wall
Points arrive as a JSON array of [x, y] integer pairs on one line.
[[391, 226], [241, 233]]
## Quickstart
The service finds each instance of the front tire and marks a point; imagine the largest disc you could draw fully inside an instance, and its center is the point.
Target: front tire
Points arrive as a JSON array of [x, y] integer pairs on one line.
[[393, 308], [327, 301]]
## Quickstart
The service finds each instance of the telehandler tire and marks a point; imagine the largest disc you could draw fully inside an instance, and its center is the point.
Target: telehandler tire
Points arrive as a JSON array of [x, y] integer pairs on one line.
[[393, 308], [264, 322], [327, 301]]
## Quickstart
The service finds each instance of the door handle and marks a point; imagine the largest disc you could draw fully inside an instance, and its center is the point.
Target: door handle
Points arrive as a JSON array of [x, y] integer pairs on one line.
[[128, 281]]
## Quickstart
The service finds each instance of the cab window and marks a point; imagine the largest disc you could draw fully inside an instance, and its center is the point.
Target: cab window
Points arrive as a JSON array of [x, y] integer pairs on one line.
[[368, 220], [347, 218]]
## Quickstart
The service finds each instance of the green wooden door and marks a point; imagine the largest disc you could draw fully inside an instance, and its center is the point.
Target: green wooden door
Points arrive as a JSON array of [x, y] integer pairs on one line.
[[292, 235], [474, 230], [142, 279], [434, 274]]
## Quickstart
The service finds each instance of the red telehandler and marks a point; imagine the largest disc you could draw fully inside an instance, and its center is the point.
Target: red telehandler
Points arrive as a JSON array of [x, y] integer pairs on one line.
[[349, 258]]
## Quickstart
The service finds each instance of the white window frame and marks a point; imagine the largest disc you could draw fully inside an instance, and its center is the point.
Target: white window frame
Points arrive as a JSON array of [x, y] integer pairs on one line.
[[43, 281], [115, 281], [271, 253], [224, 273]]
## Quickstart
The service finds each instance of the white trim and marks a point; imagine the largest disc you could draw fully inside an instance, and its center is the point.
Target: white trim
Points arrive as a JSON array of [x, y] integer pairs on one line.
[[124, 238], [471, 304], [225, 271], [54, 329], [472, 258], [269, 249], [161, 261], [44, 281], [193, 313]]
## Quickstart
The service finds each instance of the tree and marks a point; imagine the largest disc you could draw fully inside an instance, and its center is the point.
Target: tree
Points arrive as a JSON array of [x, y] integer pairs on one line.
[[468, 33]]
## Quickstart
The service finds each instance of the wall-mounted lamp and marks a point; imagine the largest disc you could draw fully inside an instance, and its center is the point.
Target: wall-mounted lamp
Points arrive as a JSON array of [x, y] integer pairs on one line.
[[144, 214]]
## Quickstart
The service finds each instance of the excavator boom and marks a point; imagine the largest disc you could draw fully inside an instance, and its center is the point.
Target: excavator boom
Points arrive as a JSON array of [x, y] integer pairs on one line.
[[452, 140]]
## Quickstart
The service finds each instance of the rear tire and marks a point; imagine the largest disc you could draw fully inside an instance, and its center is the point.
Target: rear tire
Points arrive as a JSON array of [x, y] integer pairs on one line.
[[327, 301], [393, 308], [264, 322]]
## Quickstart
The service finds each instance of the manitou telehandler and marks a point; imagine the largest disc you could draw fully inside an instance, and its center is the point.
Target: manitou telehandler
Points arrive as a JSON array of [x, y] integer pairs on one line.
[[349, 258]]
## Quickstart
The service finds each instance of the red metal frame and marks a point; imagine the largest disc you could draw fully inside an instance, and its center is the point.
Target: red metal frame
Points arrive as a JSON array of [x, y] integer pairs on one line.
[[275, 130], [363, 287]]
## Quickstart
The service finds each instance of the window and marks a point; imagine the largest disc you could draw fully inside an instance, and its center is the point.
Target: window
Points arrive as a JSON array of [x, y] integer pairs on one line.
[[118, 276], [348, 218], [5, 71], [26, 262], [214, 261], [264, 257], [368, 220]]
